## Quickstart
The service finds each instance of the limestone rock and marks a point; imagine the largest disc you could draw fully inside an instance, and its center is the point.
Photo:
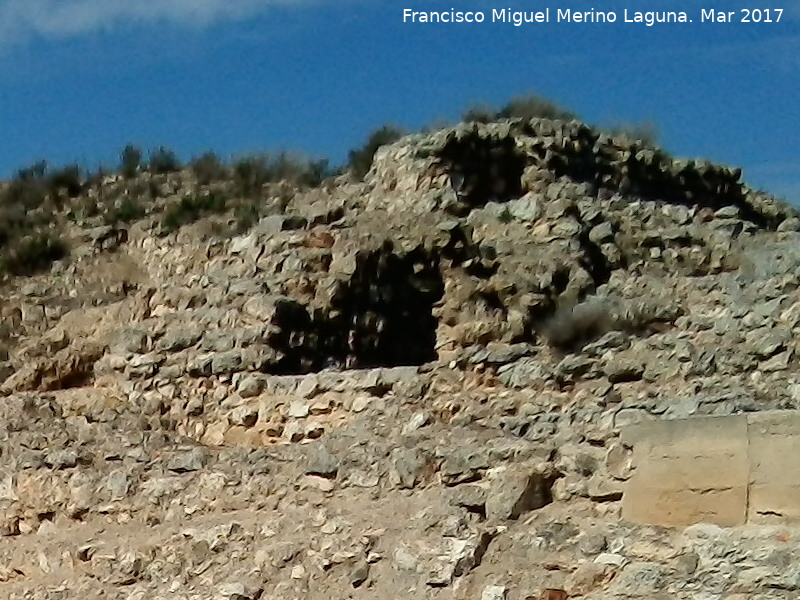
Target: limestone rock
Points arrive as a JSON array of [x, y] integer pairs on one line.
[[517, 490]]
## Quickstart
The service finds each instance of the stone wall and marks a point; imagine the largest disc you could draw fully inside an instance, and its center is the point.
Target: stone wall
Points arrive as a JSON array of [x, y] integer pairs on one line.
[[722, 470], [506, 160]]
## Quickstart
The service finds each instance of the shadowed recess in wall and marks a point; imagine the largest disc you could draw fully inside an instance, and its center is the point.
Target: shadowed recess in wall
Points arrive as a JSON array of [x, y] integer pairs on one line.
[[483, 168], [381, 317]]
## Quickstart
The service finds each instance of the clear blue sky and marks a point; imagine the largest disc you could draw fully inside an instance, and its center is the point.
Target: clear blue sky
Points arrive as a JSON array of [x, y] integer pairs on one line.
[[81, 78]]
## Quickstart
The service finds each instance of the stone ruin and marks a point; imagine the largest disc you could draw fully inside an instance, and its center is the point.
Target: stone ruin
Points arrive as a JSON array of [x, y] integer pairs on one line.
[[505, 161], [515, 362], [507, 225], [491, 233]]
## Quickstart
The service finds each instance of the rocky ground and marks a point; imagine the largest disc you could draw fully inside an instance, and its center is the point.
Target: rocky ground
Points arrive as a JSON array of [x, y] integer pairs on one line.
[[410, 387]]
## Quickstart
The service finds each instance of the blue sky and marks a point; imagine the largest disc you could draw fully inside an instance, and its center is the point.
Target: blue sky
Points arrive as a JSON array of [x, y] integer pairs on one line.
[[81, 78]]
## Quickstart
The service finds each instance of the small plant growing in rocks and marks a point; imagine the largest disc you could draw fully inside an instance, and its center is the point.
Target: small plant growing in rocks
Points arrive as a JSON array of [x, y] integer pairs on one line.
[[505, 216], [85, 208], [572, 326], [126, 210], [246, 214]]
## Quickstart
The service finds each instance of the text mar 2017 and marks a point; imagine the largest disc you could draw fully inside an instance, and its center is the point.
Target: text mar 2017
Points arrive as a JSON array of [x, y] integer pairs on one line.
[[745, 15]]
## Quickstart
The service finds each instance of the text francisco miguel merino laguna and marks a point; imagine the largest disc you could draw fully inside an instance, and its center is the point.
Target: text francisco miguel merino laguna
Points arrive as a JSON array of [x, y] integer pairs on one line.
[[561, 15]]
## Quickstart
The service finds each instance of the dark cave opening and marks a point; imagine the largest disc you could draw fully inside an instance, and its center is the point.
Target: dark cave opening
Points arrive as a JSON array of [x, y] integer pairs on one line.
[[381, 317]]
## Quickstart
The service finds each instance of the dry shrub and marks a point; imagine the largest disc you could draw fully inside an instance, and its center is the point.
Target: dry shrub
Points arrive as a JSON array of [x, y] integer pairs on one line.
[[573, 326]]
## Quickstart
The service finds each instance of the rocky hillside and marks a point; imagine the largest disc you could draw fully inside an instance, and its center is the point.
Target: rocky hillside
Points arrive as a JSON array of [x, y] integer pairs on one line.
[[408, 387]]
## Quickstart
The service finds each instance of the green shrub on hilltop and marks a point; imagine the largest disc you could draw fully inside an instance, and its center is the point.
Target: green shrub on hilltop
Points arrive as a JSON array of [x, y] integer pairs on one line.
[[28, 188], [288, 167], [299, 170], [94, 179], [479, 113], [246, 214], [191, 209], [68, 179], [127, 211], [318, 171], [530, 106], [32, 185], [28, 243], [37, 198], [32, 253], [36, 171], [130, 161], [646, 132], [360, 160], [16, 222], [163, 160], [533, 106], [32, 201], [208, 168], [250, 174]]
